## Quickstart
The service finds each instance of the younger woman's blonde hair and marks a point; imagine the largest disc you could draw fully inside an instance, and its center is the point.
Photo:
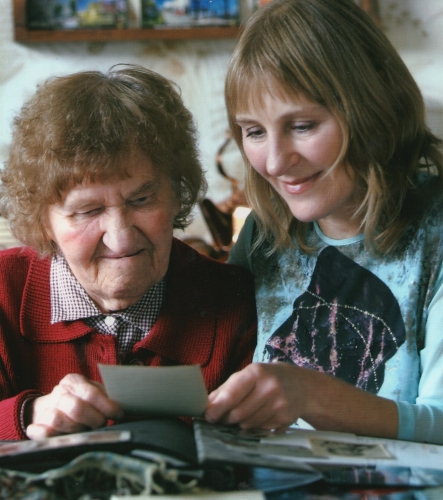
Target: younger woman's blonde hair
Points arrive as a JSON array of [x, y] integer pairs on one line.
[[334, 54]]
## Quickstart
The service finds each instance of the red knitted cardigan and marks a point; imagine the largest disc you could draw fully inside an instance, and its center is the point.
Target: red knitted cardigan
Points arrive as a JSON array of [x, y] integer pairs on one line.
[[208, 318]]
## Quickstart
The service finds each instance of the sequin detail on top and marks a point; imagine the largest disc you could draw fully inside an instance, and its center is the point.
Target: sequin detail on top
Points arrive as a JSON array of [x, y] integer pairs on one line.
[[343, 324]]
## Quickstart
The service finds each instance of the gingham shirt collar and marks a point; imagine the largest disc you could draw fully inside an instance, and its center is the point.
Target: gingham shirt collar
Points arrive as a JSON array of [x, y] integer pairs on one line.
[[70, 302]]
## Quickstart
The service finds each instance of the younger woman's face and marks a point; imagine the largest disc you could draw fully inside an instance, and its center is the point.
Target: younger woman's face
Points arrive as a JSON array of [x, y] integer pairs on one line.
[[292, 143]]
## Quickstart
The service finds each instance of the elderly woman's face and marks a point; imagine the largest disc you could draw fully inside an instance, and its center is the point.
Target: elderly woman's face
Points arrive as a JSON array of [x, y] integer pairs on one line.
[[116, 235]]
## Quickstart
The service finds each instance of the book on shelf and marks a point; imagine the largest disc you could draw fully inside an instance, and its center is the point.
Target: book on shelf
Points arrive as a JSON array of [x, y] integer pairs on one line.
[[73, 14], [189, 13]]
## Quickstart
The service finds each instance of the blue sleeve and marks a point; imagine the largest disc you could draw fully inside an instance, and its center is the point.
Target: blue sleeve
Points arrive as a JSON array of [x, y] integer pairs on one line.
[[423, 421], [240, 253]]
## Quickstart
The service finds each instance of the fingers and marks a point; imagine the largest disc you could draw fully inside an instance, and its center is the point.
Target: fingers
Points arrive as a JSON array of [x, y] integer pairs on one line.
[[62, 414], [38, 431], [41, 431], [92, 393], [259, 396], [229, 395], [74, 405]]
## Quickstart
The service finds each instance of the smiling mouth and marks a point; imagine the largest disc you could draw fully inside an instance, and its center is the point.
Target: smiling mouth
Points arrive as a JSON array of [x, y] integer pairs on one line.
[[304, 179], [125, 256], [300, 186]]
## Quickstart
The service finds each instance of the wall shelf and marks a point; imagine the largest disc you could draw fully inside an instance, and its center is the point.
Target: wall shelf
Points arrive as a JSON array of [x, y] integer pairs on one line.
[[22, 34]]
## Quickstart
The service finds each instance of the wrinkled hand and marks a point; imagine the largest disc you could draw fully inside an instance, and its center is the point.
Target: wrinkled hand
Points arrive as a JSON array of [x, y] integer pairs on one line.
[[265, 396], [74, 405]]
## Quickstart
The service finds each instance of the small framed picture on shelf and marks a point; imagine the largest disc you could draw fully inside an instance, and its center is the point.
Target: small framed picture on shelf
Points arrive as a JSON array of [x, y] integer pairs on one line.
[[72, 14], [189, 13], [102, 13], [39, 14], [51, 14], [215, 12]]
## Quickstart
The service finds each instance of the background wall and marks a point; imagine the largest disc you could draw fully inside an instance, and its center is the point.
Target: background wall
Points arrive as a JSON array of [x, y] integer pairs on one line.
[[415, 28]]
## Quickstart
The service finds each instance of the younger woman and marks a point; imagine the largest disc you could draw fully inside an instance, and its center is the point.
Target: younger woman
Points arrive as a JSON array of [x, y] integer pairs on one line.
[[346, 239]]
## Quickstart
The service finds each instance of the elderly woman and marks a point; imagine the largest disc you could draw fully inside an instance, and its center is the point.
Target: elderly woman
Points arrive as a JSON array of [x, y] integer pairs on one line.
[[102, 168]]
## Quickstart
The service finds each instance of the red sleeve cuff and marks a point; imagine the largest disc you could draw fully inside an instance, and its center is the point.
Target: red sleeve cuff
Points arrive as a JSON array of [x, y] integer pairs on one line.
[[10, 412]]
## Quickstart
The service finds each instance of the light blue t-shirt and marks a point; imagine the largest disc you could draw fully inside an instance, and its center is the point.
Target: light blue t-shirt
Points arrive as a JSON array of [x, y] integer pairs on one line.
[[374, 322]]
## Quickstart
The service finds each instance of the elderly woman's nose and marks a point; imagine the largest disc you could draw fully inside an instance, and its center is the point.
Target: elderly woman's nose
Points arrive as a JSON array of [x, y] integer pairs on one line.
[[118, 230]]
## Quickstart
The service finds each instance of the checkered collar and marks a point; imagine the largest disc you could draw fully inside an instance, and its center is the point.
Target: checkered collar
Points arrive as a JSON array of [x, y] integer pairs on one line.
[[70, 302]]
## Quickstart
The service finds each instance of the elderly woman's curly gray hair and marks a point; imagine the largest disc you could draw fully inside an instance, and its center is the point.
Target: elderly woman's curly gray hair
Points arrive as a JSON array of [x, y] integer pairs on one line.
[[79, 128]]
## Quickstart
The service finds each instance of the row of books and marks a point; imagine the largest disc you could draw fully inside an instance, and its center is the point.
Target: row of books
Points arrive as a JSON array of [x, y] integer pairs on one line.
[[74, 14]]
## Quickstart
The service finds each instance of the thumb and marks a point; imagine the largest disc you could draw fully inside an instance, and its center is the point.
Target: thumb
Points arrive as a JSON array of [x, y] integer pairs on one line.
[[40, 431]]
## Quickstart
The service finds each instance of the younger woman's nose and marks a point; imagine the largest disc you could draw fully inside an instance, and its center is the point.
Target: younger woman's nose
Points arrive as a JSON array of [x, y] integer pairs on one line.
[[281, 156]]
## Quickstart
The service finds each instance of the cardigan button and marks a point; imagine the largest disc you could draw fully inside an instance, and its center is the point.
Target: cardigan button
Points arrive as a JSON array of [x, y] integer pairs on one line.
[[110, 320]]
